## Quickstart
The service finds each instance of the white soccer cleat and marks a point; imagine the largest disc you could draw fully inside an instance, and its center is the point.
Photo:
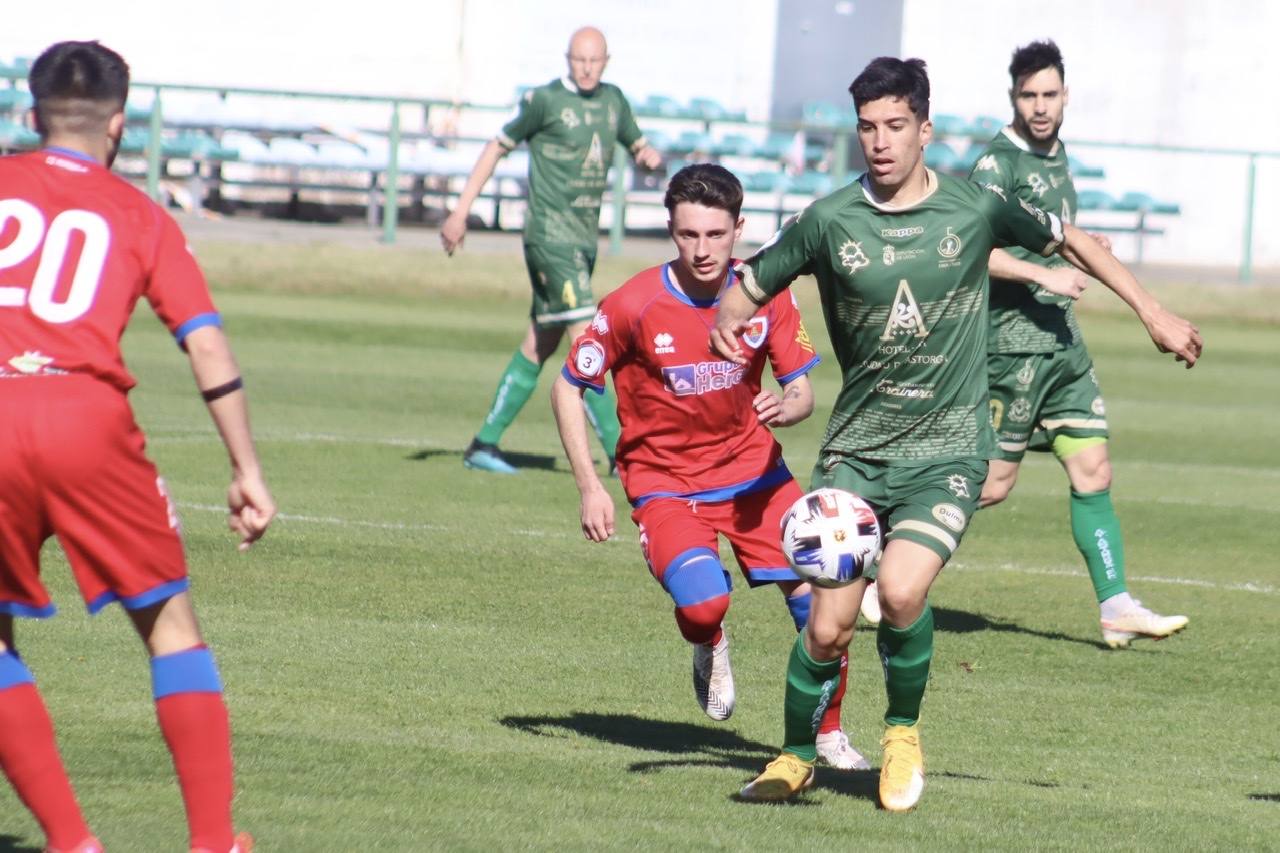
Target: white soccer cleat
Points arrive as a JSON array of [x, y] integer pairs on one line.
[[836, 751], [871, 604], [713, 678], [1137, 622]]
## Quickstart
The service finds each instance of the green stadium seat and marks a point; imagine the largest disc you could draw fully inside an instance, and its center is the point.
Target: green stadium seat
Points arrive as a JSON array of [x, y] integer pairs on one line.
[[15, 135], [1143, 203], [766, 182], [1081, 170], [693, 140], [941, 157], [14, 100], [775, 145], [811, 183], [733, 145], [657, 139], [970, 156], [985, 127], [949, 125], [660, 105], [827, 114], [1095, 200]]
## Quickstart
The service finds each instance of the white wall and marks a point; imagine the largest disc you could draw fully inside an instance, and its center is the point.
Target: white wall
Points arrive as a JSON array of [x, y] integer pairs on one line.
[[1176, 72]]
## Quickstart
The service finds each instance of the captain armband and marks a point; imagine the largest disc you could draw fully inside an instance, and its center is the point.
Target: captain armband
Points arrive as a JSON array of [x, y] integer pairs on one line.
[[220, 391]]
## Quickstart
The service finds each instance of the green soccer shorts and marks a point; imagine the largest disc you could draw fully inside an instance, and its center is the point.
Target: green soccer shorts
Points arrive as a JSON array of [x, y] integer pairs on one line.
[[561, 280], [1037, 397], [930, 505]]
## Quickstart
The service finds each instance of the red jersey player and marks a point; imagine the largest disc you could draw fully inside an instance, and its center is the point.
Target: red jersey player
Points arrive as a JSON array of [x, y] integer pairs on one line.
[[78, 247], [696, 456]]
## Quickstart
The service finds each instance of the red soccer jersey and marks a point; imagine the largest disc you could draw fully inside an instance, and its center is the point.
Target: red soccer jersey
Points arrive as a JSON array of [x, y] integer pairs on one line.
[[688, 426], [78, 246]]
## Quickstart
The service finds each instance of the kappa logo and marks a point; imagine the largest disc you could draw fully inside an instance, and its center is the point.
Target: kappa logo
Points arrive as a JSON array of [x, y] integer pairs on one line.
[[901, 233], [31, 361], [888, 255], [958, 485], [950, 245], [570, 118], [663, 343], [757, 331], [987, 164], [905, 315], [852, 256], [600, 323], [997, 190]]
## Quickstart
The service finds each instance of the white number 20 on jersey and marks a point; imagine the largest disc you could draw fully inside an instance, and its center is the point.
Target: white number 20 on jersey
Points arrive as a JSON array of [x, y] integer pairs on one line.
[[39, 294]]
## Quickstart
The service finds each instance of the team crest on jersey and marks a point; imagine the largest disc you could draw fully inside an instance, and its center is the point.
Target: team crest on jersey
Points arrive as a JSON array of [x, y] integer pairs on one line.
[[569, 117], [950, 245], [594, 164], [663, 343], [888, 255], [1055, 181], [958, 485], [1038, 184], [1026, 373], [757, 330], [905, 315], [852, 256], [1020, 411], [987, 164], [1098, 407]]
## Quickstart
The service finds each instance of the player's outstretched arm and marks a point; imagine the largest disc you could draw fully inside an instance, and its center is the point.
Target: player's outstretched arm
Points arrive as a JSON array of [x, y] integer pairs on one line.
[[736, 308], [454, 229], [571, 421], [249, 500], [795, 404], [1168, 331], [1062, 281]]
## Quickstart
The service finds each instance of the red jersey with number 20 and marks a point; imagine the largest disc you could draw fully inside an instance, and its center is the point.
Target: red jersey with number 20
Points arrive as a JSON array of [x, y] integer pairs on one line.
[[78, 247], [688, 426]]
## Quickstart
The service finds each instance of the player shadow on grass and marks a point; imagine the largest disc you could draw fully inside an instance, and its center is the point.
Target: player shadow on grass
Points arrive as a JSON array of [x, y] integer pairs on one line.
[[14, 844], [539, 461], [690, 746], [963, 622]]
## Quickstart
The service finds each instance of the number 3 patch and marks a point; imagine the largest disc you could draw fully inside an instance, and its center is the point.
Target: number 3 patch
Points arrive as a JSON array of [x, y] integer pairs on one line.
[[590, 359]]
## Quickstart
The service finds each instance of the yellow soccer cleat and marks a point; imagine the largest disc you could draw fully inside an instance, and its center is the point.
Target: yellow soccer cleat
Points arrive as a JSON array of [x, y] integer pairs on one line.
[[1137, 622], [902, 769], [783, 778]]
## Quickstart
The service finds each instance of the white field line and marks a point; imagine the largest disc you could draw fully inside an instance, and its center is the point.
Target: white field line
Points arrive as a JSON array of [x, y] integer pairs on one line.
[[954, 565]]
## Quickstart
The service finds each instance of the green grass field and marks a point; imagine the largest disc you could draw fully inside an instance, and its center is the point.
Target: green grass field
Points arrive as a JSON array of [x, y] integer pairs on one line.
[[420, 657]]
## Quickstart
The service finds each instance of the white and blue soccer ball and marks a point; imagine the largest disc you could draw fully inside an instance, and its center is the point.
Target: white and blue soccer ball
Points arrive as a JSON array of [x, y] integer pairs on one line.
[[830, 537]]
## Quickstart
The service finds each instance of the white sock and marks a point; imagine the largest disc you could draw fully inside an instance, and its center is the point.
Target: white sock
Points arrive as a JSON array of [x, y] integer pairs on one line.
[[1117, 604]]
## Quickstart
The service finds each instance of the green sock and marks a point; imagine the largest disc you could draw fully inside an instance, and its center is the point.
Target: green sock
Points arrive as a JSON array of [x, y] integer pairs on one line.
[[905, 654], [514, 390], [602, 411], [1096, 530], [810, 685]]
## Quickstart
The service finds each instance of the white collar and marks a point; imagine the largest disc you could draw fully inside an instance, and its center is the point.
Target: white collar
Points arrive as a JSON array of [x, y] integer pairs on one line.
[[931, 183]]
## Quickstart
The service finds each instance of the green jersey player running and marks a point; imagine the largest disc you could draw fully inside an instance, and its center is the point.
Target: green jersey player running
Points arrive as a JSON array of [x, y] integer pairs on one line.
[[571, 125], [1044, 392], [900, 258]]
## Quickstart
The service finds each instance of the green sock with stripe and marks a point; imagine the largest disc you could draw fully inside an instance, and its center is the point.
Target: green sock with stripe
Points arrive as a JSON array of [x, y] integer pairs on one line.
[[810, 686], [905, 654], [1096, 529], [514, 390]]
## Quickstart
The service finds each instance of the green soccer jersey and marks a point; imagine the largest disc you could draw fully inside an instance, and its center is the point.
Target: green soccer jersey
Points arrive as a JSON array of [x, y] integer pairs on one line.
[[904, 294], [1030, 319], [571, 135]]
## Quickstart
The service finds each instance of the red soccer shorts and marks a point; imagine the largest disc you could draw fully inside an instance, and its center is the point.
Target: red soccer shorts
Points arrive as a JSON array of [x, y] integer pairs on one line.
[[72, 465], [672, 527]]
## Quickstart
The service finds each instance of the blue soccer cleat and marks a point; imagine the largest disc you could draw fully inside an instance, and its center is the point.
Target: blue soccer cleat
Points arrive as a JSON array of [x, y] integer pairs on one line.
[[487, 457]]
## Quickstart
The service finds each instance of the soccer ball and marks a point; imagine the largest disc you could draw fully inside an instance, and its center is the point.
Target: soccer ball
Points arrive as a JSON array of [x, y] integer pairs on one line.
[[830, 537]]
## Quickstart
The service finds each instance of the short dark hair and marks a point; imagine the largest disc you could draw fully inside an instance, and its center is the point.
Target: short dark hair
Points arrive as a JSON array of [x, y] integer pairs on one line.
[[77, 86], [706, 184], [1034, 57], [890, 77]]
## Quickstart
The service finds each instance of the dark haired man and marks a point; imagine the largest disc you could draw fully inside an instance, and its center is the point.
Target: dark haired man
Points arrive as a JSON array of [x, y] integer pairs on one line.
[[1044, 391], [86, 246], [571, 125], [900, 257], [696, 457]]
